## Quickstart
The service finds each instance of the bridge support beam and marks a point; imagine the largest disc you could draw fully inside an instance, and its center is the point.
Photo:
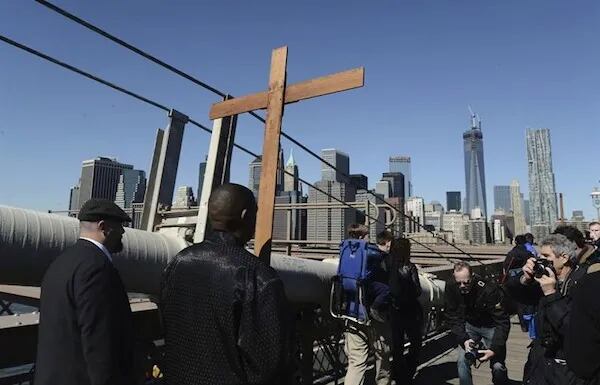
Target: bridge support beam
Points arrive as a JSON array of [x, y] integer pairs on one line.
[[165, 161], [217, 168]]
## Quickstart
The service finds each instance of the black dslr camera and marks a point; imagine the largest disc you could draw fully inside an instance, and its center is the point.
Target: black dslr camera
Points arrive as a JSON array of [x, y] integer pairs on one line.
[[539, 269], [475, 353]]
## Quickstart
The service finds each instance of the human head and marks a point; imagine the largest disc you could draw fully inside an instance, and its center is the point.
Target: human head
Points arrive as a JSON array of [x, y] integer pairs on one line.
[[573, 234], [559, 250], [520, 240], [595, 231], [358, 231], [529, 238], [232, 209], [463, 274], [400, 249], [384, 240], [102, 221]]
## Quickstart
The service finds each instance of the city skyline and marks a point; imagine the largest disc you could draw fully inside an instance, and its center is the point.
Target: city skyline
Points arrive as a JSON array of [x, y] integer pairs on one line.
[[412, 106]]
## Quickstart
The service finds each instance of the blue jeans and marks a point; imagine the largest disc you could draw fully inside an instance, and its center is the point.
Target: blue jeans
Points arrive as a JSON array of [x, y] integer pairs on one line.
[[499, 373]]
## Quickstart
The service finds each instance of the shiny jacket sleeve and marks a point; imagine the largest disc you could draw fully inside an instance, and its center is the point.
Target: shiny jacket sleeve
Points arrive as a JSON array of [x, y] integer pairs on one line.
[[265, 335], [454, 312], [98, 324]]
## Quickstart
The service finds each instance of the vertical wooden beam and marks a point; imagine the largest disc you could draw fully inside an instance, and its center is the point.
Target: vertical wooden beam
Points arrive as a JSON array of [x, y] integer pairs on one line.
[[268, 178]]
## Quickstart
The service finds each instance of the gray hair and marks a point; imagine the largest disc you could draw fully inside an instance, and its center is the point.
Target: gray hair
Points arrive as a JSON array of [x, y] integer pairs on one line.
[[561, 245]]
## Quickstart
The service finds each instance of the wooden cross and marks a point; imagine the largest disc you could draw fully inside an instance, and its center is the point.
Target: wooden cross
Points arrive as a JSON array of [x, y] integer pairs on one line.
[[274, 100]]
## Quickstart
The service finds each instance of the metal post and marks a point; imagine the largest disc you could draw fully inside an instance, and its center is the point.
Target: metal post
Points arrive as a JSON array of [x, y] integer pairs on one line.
[[596, 200], [217, 168], [165, 161], [289, 231]]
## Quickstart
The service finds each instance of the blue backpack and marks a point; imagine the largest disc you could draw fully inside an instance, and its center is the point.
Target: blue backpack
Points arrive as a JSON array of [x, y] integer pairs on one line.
[[348, 289]]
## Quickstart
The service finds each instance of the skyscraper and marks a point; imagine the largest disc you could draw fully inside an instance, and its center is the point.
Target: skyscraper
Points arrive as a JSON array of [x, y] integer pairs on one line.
[[474, 167], [254, 180], [99, 179], [453, 200], [201, 171], [402, 164], [74, 198], [184, 197], [518, 214], [340, 160], [397, 184], [383, 188], [542, 192], [415, 208], [330, 224], [131, 188], [526, 212], [280, 177], [359, 181], [502, 198], [290, 183]]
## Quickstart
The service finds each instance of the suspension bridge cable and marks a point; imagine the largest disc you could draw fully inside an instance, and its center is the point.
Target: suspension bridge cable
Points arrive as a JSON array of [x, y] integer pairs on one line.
[[204, 85], [81, 72]]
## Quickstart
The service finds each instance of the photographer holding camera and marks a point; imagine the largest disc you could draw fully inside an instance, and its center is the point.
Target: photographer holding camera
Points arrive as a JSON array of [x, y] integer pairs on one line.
[[479, 322], [546, 282]]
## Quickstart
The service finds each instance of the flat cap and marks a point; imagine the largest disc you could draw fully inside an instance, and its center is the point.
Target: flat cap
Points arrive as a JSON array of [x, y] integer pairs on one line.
[[95, 210]]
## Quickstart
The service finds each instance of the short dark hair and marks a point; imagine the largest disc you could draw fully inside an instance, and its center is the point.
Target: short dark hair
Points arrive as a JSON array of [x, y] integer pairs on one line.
[[357, 231], [520, 240], [384, 237], [529, 237], [462, 265], [594, 224], [400, 249], [572, 233]]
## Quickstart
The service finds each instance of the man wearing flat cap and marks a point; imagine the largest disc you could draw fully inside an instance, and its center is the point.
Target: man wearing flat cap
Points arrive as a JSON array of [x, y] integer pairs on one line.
[[85, 333]]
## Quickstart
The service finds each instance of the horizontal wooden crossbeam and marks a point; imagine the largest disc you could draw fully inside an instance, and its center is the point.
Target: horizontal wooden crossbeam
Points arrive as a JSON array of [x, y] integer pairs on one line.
[[325, 85]]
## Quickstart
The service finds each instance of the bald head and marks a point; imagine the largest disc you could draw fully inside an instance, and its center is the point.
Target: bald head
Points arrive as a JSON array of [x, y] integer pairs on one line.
[[232, 208]]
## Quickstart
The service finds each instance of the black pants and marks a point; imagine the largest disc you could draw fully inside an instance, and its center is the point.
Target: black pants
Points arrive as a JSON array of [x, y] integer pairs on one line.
[[407, 320]]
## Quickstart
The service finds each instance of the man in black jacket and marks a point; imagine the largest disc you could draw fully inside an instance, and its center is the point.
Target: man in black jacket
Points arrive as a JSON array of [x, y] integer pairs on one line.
[[474, 311], [551, 294], [85, 333], [407, 313], [583, 338], [226, 317]]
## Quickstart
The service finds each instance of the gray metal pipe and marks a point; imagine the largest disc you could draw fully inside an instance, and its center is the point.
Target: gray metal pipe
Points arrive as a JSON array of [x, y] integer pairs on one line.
[[30, 240]]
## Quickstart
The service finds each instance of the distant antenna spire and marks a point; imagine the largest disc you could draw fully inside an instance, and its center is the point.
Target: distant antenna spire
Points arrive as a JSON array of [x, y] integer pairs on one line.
[[473, 118]]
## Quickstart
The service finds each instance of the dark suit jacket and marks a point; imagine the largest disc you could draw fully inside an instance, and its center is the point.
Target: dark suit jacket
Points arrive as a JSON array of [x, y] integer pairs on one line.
[[85, 334]]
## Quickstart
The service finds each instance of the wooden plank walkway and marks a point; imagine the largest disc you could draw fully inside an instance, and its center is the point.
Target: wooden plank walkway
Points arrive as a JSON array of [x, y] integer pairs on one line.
[[441, 369]]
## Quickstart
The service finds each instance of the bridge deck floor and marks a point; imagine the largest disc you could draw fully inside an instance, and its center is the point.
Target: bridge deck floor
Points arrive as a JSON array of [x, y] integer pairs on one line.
[[441, 369]]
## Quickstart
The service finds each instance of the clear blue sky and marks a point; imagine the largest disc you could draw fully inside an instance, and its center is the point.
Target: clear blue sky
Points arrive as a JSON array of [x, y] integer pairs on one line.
[[518, 63]]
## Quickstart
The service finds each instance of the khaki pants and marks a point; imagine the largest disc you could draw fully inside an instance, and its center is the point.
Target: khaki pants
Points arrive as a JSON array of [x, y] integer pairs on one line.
[[359, 340]]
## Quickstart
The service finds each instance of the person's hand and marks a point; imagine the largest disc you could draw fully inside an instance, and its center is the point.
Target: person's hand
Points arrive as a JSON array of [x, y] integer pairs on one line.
[[547, 282], [467, 345], [528, 271], [487, 354]]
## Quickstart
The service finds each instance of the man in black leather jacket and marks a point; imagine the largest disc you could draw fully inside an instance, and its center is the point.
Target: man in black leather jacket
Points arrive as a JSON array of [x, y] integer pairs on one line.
[[407, 313], [475, 312], [226, 317], [550, 293]]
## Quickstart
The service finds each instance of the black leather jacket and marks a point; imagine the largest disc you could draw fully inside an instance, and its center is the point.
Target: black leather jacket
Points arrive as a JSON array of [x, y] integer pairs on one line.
[[482, 307], [226, 317]]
